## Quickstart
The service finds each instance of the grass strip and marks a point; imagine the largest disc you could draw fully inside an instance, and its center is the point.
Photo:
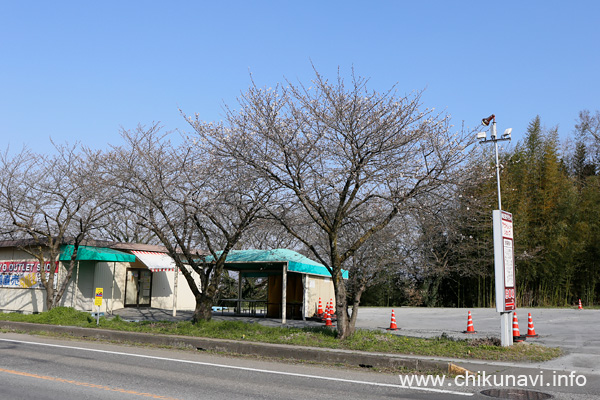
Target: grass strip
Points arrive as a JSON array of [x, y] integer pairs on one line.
[[363, 340]]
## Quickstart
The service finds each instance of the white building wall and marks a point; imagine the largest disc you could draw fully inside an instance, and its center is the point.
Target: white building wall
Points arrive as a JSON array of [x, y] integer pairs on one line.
[[185, 297], [80, 297], [317, 287], [118, 299], [163, 284], [17, 299], [22, 300], [80, 292], [34, 300], [113, 287], [162, 289]]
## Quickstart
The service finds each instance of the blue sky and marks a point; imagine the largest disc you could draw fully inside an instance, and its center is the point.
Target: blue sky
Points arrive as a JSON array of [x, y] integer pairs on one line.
[[79, 71]]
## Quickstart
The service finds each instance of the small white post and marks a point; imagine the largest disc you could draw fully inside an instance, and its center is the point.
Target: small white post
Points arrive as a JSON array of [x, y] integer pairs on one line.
[[176, 278], [112, 290], [239, 293], [284, 293], [304, 294], [75, 289]]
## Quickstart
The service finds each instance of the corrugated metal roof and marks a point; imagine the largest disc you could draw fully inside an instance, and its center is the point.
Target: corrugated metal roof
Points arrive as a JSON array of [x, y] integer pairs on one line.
[[271, 259]]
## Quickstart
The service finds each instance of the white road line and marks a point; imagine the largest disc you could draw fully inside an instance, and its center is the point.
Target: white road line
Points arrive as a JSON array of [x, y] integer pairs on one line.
[[266, 371]]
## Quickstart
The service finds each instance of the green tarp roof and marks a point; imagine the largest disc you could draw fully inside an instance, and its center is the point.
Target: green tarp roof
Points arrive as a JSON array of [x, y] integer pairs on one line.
[[89, 253], [252, 260]]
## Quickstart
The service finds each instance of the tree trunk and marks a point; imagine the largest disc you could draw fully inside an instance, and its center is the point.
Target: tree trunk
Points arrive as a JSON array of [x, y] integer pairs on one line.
[[50, 296], [355, 304], [206, 300], [345, 327], [203, 310], [48, 282]]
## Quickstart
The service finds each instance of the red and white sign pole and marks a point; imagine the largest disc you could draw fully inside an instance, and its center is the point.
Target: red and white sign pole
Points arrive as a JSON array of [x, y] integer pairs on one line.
[[504, 256]]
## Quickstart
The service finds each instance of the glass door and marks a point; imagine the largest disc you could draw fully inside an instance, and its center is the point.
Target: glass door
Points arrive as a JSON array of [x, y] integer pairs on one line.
[[138, 288], [145, 284]]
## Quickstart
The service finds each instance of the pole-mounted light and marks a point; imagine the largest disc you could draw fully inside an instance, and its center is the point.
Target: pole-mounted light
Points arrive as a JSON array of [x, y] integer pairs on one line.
[[482, 136], [486, 121]]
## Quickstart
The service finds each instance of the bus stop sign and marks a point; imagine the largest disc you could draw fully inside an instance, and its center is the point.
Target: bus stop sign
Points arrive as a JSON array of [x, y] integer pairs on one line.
[[504, 261]]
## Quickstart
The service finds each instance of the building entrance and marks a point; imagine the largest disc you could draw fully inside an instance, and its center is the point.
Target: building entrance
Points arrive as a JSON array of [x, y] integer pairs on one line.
[[138, 288]]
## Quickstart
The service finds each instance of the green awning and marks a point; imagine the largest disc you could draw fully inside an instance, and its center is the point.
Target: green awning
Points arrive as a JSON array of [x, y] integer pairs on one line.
[[89, 253], [268, 260]]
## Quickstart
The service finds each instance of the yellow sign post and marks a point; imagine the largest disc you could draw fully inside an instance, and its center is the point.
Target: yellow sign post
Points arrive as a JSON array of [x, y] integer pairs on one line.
[[98, 303]]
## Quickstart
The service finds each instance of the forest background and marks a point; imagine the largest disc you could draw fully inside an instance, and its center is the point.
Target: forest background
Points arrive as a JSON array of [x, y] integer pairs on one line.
[[552, 188]]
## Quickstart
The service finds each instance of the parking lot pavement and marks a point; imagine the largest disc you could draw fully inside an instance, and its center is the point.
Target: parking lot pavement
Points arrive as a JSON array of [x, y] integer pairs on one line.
[[567, 328], [575, 331]]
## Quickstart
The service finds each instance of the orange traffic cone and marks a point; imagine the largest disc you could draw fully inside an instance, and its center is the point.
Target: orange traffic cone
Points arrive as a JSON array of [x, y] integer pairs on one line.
[[470, 327], [328, 320], [326, 312], [332, 310], [580, 307], [320, 309], [393, 326], [530, 327], [516, 334]]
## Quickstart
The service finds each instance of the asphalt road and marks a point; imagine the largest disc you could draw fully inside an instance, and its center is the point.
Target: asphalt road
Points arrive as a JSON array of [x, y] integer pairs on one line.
[[44, 368]]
